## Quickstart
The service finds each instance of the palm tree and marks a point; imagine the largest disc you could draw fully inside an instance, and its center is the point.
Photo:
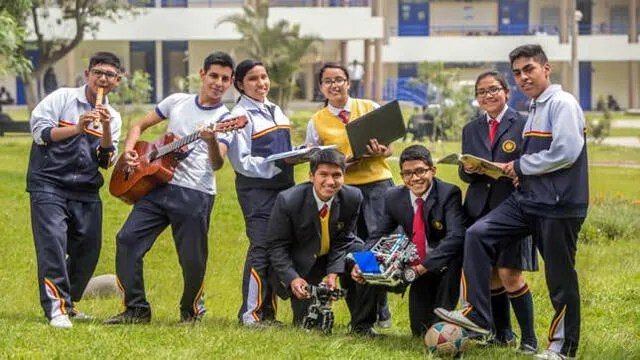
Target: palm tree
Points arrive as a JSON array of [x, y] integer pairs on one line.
[[280, 47]]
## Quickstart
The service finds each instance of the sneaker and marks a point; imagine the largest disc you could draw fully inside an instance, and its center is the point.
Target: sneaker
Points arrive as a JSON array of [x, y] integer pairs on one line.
[[61, 322], [457, 318], [131, 316], [495, 342], [527, 349], [383, 324], [80, 316], [551, 355]]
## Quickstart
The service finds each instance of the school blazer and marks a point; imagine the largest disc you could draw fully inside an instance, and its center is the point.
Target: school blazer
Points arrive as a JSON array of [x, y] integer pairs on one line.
[[485, 193], [444, 222], [294, 231]]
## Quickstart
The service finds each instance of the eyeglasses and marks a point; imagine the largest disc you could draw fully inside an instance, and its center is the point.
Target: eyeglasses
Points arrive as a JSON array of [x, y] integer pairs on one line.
[[492, 91], [110, 75], [419, 172], [329, 82]]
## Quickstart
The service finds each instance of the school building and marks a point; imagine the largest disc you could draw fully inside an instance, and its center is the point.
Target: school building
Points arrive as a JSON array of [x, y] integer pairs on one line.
[[170, 38]]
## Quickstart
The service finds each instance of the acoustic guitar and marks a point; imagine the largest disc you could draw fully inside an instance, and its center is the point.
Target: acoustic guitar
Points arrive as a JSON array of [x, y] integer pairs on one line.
[[157, 162]]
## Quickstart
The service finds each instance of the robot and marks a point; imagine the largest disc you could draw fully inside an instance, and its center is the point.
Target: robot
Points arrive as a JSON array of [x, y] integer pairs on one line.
[[388, 263], [320, 315]]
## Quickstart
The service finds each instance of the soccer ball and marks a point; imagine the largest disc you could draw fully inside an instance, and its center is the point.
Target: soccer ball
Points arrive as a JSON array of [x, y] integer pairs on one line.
[[446, 339]]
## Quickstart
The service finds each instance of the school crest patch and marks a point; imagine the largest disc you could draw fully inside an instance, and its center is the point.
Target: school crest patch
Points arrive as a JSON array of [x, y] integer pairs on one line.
[[436, 224], [508, 146]]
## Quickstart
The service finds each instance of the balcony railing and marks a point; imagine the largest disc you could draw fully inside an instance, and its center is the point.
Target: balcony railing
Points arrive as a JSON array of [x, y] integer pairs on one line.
[[488, 30], [239, 3]]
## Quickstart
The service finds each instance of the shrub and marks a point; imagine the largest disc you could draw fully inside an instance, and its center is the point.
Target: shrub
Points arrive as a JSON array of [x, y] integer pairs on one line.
[[611, 218]]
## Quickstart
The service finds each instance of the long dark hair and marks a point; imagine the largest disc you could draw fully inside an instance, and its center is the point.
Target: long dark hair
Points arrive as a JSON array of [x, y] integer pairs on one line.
[[331, 66], [242, 69]]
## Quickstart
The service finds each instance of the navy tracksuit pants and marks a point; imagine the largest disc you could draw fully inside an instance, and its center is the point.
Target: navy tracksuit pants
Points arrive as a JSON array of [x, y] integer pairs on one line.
[[188, 212], [68, 238], [556, 239], [259, 300]]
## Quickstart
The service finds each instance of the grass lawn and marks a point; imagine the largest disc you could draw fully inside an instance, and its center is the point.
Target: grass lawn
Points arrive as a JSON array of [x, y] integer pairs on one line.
[[609, 273], [624, 132]]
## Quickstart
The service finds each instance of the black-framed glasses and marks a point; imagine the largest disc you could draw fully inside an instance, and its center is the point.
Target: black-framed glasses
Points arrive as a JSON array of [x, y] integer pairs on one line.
[[490, 91], [419, 172], [110, 75], [329, 82]]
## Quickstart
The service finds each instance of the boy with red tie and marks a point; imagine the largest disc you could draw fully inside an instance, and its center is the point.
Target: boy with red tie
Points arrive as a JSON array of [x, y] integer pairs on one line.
[[431, 210]]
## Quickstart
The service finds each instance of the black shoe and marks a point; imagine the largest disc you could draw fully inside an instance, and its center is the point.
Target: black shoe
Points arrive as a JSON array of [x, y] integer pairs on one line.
[[368, 332], [273, 323], [130, 316]]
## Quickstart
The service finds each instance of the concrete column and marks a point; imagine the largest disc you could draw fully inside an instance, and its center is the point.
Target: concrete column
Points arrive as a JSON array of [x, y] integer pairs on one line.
[[634, 71], [309, 82], [70, 69], [564, 21], [159, 69], [368, 69], [378, 70], [575, 61], [633, 22], [344, 53], [377, 10]]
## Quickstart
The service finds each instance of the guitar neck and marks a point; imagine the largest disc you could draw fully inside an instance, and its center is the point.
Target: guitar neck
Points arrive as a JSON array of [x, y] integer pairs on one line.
[[169, 148]]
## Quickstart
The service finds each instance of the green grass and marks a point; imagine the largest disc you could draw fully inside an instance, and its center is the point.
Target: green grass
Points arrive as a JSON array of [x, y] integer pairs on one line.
[[624, 132], [609, 273]]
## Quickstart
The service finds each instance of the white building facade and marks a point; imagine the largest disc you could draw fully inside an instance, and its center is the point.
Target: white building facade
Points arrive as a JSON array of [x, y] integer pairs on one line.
[[170, 38]]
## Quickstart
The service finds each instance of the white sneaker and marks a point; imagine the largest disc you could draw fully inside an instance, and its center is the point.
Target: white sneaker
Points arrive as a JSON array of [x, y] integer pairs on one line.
[[61, 322], [457, 318], [550, 355]]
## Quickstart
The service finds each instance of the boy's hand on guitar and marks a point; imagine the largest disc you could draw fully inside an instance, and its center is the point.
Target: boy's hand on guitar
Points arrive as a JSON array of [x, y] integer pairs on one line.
[[209, 135], [131, 157]]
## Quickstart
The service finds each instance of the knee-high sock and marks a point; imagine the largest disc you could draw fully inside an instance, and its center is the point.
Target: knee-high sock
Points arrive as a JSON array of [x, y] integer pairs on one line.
[[522, 302], [501, 314]]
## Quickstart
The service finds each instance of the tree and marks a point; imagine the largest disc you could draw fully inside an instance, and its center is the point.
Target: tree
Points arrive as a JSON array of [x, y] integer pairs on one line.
[[280, 47], [452, 98], [133, 90], [12, 35], [85, 15]]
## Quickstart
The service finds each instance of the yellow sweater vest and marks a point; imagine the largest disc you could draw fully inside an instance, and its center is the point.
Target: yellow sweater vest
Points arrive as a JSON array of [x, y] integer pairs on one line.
[[332, 131]]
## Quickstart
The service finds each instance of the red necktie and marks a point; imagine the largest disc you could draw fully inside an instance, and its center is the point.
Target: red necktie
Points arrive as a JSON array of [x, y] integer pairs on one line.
[[323, 211], [344, 116], [493, 123], [419, 237]]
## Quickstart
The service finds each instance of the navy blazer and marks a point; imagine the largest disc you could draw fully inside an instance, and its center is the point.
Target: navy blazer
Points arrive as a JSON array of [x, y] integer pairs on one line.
[[444, 221], [294, 231], [485, 193]]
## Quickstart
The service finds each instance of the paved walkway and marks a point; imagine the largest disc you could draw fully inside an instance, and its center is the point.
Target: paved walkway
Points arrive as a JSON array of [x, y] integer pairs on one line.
[[627, 141], [626, 124]]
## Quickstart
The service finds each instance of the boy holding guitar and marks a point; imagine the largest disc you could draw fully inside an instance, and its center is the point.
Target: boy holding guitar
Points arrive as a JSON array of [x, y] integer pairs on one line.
[[73, 135], [185, 202]]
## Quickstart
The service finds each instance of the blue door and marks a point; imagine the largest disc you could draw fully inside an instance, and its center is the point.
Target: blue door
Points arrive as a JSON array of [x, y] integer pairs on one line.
[[142, 56], [585, 85], [413, 18], [513, 17], [21, 96]]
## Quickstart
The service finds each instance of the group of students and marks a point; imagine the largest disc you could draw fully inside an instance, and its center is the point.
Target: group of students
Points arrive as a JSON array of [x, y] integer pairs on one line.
[[346, 206]]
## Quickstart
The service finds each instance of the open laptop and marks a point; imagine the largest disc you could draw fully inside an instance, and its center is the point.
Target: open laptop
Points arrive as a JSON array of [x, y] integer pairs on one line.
[[384, 124]]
